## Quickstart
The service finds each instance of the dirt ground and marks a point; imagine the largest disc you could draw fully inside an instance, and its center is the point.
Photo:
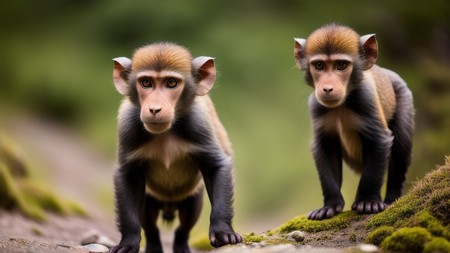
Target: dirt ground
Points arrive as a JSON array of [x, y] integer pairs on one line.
[[57, 234]]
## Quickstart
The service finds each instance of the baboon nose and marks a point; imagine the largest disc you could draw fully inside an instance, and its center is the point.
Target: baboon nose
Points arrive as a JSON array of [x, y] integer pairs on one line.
[[154, 110], [327, 89]]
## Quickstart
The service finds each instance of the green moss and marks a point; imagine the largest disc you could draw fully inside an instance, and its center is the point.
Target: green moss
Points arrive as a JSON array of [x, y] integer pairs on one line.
[[9, 193], [440, 204], [11, 196], [201, 243], [407, 240], [434, 226], [277, 240], [377, 236], [352, 237], [271, 232], [267, 238], [432, 193], [9, 156], [396, 214], [43, 197], [253, 238], [437, 245], [302, 223], [18, 191], [419, 215], [37, 231], [75, 208]]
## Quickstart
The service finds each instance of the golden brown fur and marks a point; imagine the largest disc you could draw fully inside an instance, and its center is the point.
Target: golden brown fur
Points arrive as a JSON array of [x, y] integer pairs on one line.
[[161, 56], [335, 38]]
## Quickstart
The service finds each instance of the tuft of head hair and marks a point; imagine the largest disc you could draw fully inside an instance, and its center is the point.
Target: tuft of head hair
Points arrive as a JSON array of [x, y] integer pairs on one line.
[[162, 56], [333, 38]]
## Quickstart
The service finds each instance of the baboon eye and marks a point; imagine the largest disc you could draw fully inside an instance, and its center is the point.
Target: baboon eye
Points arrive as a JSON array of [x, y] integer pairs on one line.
[[319, 65], [171, 83], [341, 65], [146, 83]]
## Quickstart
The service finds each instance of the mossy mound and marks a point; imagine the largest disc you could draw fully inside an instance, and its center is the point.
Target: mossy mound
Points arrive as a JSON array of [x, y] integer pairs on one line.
[[437, 245], [420, 220], [19, 191], [407, 240], [417, 222], [302, 223]]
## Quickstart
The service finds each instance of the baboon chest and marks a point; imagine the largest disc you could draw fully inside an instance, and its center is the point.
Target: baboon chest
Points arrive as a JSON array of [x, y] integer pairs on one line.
[[346, 125], [171, 173]]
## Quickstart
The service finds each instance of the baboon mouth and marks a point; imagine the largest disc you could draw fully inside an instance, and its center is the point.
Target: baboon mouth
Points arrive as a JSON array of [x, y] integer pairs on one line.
[[331, 102], [156, 126], [156, 122]]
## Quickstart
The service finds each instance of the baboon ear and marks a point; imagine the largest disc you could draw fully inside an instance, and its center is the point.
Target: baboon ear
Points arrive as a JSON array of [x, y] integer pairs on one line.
[[298, 51], [204, 66], [370, 47], [122, 67]]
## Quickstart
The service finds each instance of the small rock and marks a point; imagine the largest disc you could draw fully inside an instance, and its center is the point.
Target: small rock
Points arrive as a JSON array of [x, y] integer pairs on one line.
[[94, 237], [96, 248], [369, 248], [90, 237], [297, 236]]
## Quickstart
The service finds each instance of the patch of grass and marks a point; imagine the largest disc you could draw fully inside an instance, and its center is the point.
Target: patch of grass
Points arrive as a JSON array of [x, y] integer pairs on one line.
[[302, 223]]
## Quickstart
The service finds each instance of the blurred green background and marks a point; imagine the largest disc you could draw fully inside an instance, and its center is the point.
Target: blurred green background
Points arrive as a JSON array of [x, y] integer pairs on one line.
[[56, 64]]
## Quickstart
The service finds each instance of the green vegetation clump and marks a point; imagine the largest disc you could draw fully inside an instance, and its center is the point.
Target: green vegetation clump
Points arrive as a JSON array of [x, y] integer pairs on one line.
[[12, 197], [418, 218], [18, 191], [201, 243], [268, 238], [437, 245], [302, 223], [407, 240], [433, 225], [253, 238], [377, 236]]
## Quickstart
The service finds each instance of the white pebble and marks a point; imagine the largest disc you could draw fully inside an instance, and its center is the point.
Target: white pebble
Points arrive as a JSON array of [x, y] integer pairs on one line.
[[96, 248]]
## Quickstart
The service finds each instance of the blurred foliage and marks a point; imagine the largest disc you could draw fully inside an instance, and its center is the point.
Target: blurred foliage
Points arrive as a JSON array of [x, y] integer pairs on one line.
[[20, 191], [56, 62]]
